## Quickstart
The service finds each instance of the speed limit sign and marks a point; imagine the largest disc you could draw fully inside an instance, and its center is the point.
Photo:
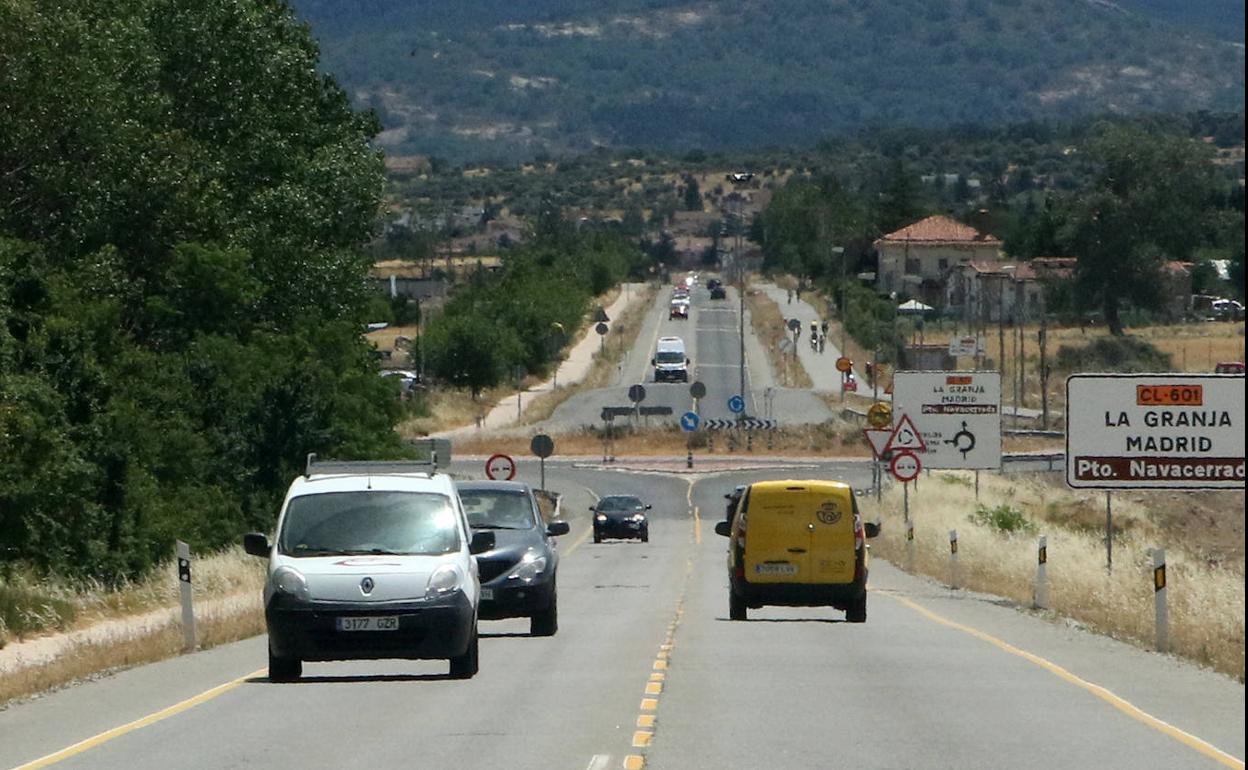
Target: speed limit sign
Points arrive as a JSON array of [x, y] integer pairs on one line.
[[500, 467], [905, 466]]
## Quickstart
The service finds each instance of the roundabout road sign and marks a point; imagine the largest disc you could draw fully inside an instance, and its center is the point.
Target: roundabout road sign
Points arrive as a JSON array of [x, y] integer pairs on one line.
[[736, 404], [905, 466], [542, 446], [500, 467]]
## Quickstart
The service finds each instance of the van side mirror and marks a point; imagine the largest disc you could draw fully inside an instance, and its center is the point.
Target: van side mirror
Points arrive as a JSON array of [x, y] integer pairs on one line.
[[556, 528], [688, 361], [256, 544], [482, 541], [653, 361], [871, 528], [723, 528], [649, 506]]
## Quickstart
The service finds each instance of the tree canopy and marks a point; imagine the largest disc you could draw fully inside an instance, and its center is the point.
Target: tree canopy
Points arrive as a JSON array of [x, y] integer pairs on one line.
[[182, 200]]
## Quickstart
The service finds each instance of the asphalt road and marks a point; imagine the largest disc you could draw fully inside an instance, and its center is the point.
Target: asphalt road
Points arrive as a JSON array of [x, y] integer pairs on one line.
[[646, 664], [712, 336]]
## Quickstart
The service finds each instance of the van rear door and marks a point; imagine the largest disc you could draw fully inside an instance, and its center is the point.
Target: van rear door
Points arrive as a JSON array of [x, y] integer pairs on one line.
[[832, 509], [778, 534]]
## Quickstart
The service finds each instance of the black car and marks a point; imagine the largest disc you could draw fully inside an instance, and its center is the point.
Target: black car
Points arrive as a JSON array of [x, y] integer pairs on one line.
[[518, 574], [621, 516], [719, 293]]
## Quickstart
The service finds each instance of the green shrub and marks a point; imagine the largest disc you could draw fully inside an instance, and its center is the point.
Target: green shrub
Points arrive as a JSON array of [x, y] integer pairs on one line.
[[1003, 518], [1113, 354]]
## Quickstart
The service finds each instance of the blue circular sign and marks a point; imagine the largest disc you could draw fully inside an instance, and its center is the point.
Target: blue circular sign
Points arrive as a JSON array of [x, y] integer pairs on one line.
[[689, 421], [736, 404]]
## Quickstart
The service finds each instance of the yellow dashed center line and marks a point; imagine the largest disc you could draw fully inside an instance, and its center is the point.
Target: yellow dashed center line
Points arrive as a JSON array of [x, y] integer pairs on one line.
[[649, 704], [641, 738], [645, 720], [634, 762]]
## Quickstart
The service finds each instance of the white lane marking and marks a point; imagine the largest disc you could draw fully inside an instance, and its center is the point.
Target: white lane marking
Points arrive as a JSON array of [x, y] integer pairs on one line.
[[599, 762]]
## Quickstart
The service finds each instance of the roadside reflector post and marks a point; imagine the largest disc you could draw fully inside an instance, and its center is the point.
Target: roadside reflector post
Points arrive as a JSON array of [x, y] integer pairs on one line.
[[1159, 599], [183, 552], [976, 486], [1041, 600], [910, 546], [1109, 532], [953, 558]]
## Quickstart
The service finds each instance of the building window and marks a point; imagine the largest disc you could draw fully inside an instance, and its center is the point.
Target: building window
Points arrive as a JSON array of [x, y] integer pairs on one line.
[[943, 264], [913, 266]]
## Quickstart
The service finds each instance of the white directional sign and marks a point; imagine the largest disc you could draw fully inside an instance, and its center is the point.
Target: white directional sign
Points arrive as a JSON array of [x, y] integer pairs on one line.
[[1169, 431], [958, 415], [966, 346]]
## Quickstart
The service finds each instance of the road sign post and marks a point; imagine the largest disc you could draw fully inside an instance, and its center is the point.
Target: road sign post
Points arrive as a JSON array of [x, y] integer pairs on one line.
[[953, 558], [909, 545], [542, 446]]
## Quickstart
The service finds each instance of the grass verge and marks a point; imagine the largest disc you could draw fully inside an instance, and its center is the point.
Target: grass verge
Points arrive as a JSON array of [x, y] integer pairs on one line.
[[997, 554], [622, 337], [768, 324], [69, 631]]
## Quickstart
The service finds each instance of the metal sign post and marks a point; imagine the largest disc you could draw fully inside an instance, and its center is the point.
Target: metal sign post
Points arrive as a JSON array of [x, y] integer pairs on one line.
[[953, 558], [910, 546], [543, 446], [1109, 532], [183, 552]]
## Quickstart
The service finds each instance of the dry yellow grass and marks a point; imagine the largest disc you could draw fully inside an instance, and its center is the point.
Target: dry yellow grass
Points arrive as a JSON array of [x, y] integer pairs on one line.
[[228, 587], [452, 408], [768, 324], [1206, 602]]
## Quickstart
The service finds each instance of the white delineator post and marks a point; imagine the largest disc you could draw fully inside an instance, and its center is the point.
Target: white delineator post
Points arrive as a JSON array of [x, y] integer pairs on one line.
[[1159, 599], [953, 558], [184, 582], [910, 546], [1042, 574]]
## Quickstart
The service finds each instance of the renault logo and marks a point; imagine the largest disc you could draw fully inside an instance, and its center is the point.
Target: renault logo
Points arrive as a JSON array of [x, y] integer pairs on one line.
[[366, 586]]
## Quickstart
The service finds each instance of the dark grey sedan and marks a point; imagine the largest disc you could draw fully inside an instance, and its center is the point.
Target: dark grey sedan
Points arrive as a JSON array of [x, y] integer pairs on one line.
[[621, 516], [518, 574]]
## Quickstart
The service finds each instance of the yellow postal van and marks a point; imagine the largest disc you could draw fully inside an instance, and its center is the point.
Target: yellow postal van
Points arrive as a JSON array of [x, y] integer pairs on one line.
[[798, 543]]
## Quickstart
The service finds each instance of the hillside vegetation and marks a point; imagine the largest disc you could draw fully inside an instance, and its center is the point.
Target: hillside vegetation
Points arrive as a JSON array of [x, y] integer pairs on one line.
[[486, 79]]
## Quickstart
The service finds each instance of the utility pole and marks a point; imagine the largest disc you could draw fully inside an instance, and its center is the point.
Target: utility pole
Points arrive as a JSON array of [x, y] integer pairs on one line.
[[1044, 365], [1022, 350], [741, 289]]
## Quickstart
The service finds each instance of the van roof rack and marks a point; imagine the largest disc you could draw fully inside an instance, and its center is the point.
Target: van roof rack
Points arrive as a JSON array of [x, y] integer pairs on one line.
[[436, 454]]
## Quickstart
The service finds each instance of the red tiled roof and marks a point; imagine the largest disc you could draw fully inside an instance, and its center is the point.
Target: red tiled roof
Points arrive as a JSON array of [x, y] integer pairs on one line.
[[939, 229]]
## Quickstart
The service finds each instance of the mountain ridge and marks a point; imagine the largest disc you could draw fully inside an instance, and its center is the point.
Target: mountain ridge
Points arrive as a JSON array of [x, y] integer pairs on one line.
[[485, 78]]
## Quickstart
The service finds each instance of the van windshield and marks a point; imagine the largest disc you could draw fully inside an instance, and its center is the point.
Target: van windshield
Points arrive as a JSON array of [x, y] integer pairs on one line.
[[382, 522], [670, 357]]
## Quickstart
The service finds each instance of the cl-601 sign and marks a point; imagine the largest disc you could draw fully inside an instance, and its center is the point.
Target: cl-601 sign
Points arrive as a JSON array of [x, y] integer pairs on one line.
[[1155, 430]]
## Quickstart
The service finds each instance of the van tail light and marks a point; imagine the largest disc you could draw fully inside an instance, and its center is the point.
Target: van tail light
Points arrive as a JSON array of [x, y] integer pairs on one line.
[[860, 547]]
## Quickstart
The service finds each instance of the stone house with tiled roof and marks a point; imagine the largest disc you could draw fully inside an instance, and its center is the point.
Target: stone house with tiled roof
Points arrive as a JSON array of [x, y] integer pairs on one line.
[[913, 261], [993, 291]]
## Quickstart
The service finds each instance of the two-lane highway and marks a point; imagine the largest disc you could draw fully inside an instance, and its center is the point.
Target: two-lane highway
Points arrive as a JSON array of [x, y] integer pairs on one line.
[[646, 667]]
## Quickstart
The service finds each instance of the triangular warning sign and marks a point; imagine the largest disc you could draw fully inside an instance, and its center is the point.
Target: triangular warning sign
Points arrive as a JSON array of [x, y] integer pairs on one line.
[[905, 436], [878, 439]]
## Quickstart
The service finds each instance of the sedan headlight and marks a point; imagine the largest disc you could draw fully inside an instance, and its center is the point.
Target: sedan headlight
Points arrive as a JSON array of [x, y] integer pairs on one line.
[[531, 565], [639, 517], [601, 517], [290, 581], [444, 580]]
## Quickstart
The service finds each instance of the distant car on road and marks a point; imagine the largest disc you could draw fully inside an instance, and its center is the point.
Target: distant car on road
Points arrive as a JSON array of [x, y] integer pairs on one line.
[[670, 362], [518, 575], [621, 516], [679, 310], [1227, 310], [719, 293], [1229, 367]]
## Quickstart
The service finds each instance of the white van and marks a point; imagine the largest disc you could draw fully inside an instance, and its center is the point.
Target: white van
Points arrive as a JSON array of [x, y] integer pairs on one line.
[[670, 361], [371, 560]]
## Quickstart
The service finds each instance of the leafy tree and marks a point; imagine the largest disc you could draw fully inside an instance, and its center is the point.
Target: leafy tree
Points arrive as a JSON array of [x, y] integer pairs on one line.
[[468, 351], [693, 196], [1141, 208]]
